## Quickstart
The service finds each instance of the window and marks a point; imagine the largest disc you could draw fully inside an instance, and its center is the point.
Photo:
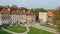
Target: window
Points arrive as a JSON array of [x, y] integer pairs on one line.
[[49, 16]]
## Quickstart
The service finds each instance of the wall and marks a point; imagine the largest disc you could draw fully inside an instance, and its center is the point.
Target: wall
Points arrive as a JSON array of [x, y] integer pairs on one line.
[[43, 16]]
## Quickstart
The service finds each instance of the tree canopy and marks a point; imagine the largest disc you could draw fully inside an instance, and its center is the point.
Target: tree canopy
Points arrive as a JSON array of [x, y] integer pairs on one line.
[[56, 19], [1, 7]]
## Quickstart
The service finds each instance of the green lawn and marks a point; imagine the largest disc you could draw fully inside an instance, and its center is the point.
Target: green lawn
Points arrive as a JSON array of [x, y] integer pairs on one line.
[[38, 31], [3, 32], [49, 26], [17, 29]]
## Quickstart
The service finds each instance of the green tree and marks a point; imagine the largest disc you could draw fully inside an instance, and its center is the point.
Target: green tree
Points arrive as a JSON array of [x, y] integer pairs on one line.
[[56, 19], [14, 7], [1, 7], [37, 10], [23, 8]]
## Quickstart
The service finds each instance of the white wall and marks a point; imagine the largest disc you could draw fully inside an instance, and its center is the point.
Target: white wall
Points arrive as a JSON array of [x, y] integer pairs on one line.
[[43, 16]]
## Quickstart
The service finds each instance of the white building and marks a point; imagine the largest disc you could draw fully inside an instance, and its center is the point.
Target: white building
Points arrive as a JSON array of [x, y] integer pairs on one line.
[[43, 16], [5, 16], [16, 17]]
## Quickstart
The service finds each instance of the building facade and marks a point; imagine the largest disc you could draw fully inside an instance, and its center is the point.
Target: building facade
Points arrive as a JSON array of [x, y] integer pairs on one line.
[[22, 16], [5, 16], [16, 17], [43, 17], [50, 14]]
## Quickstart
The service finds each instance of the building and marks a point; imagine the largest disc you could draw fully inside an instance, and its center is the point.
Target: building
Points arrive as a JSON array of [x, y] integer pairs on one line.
[[29, 17], [22, 15], [33, 17], [5, 16], [50, 14], [43, 17], [14, 17]]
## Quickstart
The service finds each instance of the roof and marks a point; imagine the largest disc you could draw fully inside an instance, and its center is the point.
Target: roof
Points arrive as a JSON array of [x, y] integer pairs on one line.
[[22, 12], [5, 11], [50, 13]]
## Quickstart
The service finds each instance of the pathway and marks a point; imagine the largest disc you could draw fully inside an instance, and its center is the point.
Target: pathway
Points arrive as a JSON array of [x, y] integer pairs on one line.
[[44, 28], [17, 33], [36, 26]]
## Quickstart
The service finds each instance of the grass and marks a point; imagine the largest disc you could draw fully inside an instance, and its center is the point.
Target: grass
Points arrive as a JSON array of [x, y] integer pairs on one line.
[[38, 31], [49, 26], [17, 29], [3, 32]]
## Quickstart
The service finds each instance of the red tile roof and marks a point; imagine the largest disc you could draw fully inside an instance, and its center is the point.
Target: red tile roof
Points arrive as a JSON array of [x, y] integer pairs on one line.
[[50, 13], [22, 12], [5, 12]]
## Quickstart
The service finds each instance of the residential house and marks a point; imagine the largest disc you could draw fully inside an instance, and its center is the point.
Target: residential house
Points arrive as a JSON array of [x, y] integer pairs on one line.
[[22, 15], [50, 14], [14, 16], [5, 16], [29, 17]]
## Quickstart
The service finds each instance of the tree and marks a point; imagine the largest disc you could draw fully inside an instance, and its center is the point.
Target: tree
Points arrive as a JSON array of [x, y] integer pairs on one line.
[[37, 10], [14, 7], [56, 19], [23, 8], [1, 7]]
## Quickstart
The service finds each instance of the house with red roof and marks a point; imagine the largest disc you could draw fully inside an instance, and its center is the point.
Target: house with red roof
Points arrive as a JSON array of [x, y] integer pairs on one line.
[[22, 16], [16, 16], [5, 16], [50, 14]]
